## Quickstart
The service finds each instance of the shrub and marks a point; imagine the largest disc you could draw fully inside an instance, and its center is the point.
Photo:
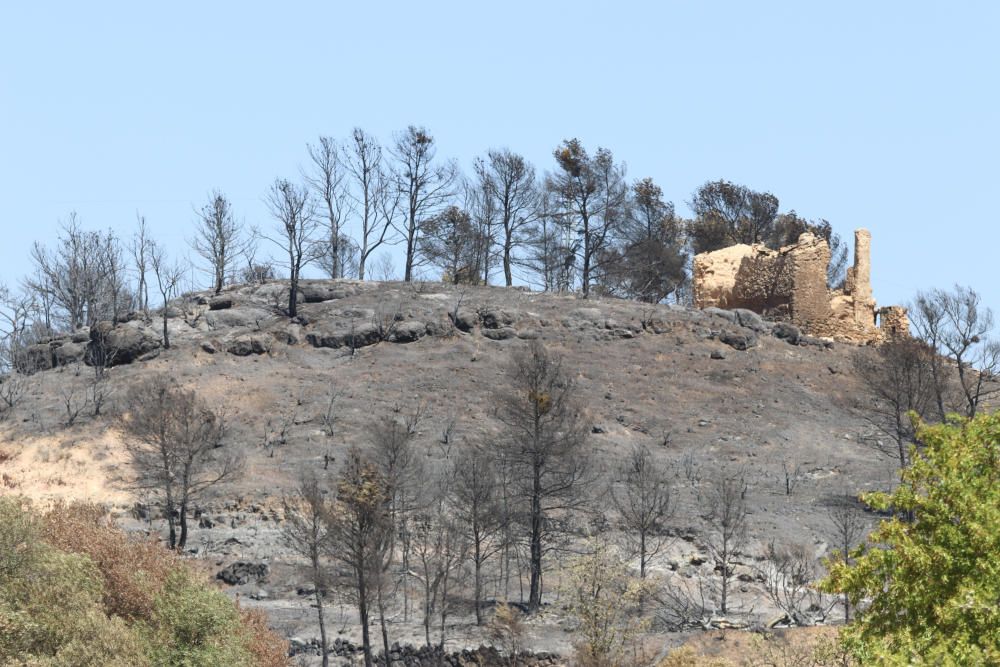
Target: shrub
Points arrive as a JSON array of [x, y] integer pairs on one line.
[[75, 591]]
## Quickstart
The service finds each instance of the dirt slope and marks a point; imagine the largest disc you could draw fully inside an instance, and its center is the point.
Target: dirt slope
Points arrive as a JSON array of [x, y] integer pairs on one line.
[[646, 374]]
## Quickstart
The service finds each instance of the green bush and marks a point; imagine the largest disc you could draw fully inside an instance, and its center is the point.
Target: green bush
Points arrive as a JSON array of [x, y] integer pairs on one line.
[[71, 605]]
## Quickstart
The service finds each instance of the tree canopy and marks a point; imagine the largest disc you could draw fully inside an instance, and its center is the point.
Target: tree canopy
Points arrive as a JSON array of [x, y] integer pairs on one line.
[[929, 580]]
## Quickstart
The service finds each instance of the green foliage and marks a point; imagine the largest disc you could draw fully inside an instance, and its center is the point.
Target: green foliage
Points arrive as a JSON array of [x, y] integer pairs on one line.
[[64, 602], [194, 626], [50, 614], [932, 584]]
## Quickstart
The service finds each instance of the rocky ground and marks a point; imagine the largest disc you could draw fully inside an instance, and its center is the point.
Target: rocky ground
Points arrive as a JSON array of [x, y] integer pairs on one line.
[[705, 390]]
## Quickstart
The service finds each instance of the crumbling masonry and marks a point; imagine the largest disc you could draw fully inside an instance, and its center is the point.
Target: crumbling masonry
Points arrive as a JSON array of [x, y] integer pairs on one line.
[[790, 284]]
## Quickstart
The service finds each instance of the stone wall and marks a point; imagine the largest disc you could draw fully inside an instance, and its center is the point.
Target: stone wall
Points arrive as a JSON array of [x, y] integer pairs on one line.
[[790, 284], [893, 322]]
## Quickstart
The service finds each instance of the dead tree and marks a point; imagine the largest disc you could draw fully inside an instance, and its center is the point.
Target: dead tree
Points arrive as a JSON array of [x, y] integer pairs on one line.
[[82, 277], [168, 279], [374, 195], [644, 502], [327, 176], [958, 328], [294, 210], [439, 547], [174, 442], [423, 185], [139, 249], [899, 378], [306, 531], [361, 537], [787, 573], [17, 311], [401, 467], [545, 444], [217, 238], [848, 530], [509, 180], [727, 520], [476, 497]]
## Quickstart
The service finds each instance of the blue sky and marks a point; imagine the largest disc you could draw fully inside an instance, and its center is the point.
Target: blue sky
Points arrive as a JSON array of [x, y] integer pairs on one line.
[[879, 115]]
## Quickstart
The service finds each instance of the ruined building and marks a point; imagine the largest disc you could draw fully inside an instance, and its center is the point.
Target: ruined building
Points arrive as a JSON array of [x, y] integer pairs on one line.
[[790, 284]]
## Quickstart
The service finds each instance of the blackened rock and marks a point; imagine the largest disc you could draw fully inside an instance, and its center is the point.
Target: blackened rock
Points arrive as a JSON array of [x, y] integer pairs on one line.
[[464, 320], [750, 320], [112, 345], [738, 341], [244, 346], [220, 303], [786, 332], [408, 332], [242, 572]]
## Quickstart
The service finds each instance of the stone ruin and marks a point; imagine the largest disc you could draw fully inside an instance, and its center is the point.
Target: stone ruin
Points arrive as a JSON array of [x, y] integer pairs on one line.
[[790, 284]]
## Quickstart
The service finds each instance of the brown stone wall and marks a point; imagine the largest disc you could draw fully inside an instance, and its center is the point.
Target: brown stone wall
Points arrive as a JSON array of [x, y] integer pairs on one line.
[[714, 275], [810, 299], [893, 322], [791, 284]]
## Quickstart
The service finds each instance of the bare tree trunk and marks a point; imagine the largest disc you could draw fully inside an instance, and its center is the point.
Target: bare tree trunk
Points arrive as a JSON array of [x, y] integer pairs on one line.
[[182, 542], [507, 273], [478, 585], [381, 620], [535, 588], [322, 620], [171, 524], [166, 336], [366, 642], [293, 291]]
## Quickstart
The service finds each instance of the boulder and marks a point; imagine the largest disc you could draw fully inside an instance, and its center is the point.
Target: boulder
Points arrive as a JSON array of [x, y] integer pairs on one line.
[[751, 320], [115, 345], [465, 320], [359, 336], [242, 572], [319, 292], [220, 303], [408, 332], [786, 332], [68, 353], [495, 319], [244, 346], [738, 341], [237, 317]]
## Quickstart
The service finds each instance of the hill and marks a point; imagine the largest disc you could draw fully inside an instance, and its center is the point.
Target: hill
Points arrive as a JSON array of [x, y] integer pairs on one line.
[[706, 391]]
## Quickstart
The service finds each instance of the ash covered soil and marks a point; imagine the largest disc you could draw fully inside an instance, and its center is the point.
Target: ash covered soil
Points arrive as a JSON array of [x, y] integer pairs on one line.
[[706, 391]]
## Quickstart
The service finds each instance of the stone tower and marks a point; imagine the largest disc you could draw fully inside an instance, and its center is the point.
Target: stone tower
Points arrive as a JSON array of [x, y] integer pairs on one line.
[[859, 279]]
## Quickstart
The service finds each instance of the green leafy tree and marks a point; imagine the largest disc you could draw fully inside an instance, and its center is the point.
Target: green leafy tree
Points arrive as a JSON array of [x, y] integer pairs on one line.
[[930, 586]]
